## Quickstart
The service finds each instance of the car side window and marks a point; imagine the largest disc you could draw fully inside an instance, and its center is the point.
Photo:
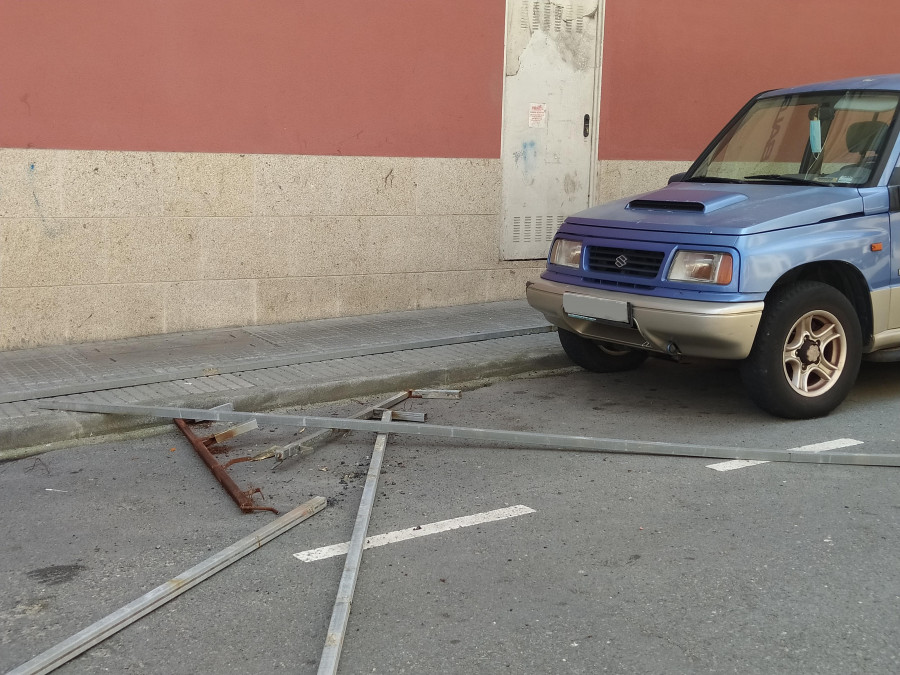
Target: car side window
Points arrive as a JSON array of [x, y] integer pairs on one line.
[[895, 176]]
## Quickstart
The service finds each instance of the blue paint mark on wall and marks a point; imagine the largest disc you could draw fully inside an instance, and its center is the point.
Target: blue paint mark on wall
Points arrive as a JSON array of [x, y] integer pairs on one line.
[[37, 202], [526, 156]]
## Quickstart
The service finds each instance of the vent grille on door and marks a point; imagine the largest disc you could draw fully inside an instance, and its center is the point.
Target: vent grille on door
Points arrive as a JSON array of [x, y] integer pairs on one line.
[[527, 229], [547, 16]]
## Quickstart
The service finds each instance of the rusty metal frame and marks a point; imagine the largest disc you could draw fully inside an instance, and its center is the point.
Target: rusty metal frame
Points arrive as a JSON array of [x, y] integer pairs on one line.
[[244, 499]]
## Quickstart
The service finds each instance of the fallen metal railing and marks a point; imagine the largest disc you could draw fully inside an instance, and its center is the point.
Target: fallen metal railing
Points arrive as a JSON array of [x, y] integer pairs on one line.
[[514, 438], [391, 422], [306, 445]]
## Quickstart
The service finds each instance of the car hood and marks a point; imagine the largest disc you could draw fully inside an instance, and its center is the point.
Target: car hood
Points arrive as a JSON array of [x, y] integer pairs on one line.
[[728, 209]]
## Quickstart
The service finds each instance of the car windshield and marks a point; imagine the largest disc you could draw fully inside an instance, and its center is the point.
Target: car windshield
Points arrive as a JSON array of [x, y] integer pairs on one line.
[[826, 138]]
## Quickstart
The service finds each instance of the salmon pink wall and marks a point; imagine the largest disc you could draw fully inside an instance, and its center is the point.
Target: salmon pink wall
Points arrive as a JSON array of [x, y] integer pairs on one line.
[[314, 77], [675, 72], [416, 78]]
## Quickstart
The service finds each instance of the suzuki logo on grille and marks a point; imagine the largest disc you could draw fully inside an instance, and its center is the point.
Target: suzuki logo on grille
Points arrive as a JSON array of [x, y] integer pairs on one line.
[[621, 261]]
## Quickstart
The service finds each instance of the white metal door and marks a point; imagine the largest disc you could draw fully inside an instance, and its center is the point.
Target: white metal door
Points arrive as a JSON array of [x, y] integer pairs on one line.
[[548, 142]]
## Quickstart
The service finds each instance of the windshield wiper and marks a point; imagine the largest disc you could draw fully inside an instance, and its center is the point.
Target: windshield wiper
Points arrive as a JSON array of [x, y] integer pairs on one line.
[[709, 179], [794, 180]]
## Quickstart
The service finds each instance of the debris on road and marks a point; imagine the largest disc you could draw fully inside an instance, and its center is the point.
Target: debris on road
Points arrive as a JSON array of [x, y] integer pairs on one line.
[[94, 634], [243, 498], [512, 438], [340, 614]]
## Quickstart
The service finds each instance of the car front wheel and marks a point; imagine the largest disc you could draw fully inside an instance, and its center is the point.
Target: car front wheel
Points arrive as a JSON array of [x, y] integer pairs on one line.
[[600, 357], [807, 352]]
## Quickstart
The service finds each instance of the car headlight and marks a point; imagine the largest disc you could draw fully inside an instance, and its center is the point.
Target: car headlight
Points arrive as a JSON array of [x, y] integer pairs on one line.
[[702, 267], [566, 252]]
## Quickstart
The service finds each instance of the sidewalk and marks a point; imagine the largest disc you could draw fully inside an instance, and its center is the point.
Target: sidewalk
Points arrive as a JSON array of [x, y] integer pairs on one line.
[[265, 367]]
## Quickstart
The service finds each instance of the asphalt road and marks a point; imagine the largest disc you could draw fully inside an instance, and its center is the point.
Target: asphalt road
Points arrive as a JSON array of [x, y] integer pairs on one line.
[[614, 563]]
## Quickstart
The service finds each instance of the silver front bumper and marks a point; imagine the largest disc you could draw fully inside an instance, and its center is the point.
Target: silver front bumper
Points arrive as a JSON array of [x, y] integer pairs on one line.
[[718, 330]]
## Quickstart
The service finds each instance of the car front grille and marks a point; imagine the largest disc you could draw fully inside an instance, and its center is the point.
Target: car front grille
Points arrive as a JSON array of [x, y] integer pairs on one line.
[[628, 261]]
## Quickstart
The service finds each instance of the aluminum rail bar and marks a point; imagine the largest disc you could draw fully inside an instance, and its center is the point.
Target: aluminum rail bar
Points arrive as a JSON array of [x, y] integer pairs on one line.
[[436, 393], [340, 615], [94, 634], [532, 439], [308, 444]]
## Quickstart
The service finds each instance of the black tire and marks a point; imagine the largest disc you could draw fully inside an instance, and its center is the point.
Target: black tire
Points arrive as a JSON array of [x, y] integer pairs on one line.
[[807, 352], [600, 357]]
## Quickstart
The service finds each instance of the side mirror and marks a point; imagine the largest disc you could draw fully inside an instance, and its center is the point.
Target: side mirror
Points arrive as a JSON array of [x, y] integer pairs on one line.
[[677, 177]]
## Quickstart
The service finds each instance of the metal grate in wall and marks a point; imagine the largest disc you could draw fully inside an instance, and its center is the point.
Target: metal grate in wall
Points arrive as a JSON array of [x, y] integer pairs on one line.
[[528, 229], [551, 17]]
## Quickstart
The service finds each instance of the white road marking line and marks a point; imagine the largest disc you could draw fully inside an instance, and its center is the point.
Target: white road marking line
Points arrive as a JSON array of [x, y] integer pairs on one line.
[[813, 448], [827, 445], [413, 533], [735, 464]]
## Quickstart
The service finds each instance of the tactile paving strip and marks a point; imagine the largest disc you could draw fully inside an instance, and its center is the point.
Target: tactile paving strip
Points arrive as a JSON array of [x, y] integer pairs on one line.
[[63, 370]]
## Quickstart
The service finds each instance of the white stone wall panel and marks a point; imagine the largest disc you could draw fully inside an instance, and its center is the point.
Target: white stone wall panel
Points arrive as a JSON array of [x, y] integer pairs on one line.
[[101, 245]]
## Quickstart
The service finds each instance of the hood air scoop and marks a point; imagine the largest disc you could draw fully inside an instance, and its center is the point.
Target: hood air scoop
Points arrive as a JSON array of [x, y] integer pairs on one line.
[[694, 201]]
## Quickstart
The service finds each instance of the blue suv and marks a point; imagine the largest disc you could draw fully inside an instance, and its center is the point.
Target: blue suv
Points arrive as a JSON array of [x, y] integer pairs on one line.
[[774, 249]]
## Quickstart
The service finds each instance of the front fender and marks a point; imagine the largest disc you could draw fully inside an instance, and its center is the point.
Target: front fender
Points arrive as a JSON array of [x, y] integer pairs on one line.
[[768, 256]]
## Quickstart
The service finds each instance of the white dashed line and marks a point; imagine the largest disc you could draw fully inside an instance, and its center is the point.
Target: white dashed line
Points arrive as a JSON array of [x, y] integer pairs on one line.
[[813, 448], [827, 445], [413, 533], [735, 464]]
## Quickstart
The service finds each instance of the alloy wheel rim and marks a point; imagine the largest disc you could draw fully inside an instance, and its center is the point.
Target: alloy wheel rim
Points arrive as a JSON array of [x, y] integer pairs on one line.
[[814, 353]]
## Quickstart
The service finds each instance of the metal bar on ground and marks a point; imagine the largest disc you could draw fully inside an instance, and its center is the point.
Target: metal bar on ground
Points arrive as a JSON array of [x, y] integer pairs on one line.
[[97, 632], [243, 499], [222, 436], [334, 640], [399, 415], [435, 393], [224, 406], [265, 454], [308, 444], [532, 439], [291, 449]]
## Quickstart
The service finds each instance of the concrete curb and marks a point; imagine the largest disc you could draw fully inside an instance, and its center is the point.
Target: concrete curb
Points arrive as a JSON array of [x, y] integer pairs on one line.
[[54, 430]]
